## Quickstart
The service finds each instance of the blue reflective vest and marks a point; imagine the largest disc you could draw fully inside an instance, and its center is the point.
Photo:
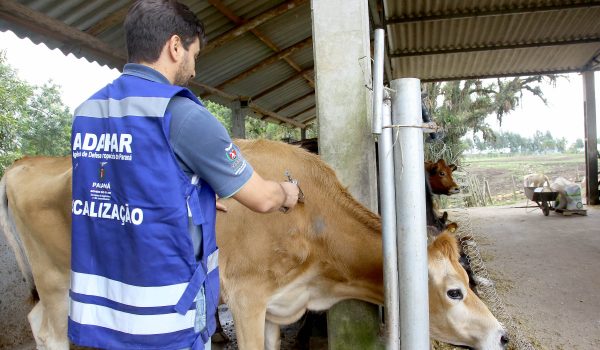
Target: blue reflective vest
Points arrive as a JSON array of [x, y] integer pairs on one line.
[[134, 276]]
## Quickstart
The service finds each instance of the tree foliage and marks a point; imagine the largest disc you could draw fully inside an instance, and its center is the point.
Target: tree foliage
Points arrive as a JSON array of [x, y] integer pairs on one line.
[[33, 119], [257, 128], [515, 143], [463, 106]]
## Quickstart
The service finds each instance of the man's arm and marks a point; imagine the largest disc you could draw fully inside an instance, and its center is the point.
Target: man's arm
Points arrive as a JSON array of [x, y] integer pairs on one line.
[[203, 147], [265, 196]]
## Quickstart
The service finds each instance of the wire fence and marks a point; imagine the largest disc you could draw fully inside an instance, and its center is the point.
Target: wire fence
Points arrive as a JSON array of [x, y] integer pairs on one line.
[[485, 285]]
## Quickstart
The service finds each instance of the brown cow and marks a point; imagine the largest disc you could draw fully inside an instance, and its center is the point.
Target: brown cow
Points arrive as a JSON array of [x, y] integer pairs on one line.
[[273, 267], [440, 177]]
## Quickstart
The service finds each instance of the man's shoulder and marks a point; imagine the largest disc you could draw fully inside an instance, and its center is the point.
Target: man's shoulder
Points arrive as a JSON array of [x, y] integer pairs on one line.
[[178, 102]]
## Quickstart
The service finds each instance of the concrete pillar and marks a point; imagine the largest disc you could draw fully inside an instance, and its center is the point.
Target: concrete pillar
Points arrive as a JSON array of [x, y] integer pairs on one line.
[[303, 134], [238, 119], [591, 150], [342, 68]]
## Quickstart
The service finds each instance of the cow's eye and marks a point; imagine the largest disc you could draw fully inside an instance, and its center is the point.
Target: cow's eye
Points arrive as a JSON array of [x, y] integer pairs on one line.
[[455, 294], [442, 173]]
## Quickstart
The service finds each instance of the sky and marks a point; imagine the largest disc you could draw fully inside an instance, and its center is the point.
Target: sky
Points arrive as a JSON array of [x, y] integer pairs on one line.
[[79, 79]]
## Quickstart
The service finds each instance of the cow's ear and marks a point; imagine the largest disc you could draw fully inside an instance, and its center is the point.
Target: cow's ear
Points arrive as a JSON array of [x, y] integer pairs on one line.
[[452, 227], [452, 167], [432, 168]]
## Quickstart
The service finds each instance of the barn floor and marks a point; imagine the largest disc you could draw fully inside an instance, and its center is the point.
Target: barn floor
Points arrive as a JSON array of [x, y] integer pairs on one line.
[[546, 269]]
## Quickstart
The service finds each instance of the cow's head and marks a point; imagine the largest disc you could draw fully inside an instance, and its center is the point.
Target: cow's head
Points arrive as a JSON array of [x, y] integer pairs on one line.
[[440, 177], [457, 316]]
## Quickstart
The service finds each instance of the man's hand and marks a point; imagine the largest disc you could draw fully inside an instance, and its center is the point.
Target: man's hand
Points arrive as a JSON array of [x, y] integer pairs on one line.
[[291, 192], [221, 206]]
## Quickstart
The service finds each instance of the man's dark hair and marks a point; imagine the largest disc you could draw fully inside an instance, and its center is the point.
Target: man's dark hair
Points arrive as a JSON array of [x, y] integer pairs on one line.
[[150, 23]]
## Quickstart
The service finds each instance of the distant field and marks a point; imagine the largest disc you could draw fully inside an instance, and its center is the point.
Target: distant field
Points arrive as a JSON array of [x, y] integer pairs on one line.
[[499, 172]]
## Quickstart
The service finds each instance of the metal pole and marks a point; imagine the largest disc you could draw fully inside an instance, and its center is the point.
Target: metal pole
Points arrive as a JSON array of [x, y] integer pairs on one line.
[[388, 224], [410, 216], [378, 79], [382, 114], [591, 150]]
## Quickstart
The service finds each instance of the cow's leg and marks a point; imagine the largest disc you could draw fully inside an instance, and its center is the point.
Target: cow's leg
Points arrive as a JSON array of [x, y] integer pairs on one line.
[[35, 317], [272, 336], [249, 312], [53, 290]]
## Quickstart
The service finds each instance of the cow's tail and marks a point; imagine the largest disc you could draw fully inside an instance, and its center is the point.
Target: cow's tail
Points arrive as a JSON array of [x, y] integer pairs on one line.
[[7, 226]]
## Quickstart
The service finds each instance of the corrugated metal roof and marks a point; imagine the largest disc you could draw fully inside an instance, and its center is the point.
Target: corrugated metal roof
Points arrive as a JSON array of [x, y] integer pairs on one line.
[[428, 39], [440, 40]]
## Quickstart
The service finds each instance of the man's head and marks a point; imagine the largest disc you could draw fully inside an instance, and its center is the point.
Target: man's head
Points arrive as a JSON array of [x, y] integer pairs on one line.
[[166, 35]]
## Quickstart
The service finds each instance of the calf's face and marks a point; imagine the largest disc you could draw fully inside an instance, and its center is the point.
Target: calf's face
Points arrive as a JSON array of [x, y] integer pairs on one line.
[[456, 315]]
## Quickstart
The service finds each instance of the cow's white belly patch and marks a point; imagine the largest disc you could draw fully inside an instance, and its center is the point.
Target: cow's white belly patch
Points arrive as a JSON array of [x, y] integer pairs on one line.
[[289, 303]]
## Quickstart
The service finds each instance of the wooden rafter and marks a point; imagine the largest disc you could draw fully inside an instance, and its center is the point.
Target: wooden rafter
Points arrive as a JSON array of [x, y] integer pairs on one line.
[[250, 24], [40, 23], [111, 20], [296, 100], [280, 84], [267, 62], [269, 114], [304, 111], [218, 4]]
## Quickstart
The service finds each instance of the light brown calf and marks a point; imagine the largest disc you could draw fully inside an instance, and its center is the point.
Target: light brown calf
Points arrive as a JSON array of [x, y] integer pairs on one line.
[[273, 267]]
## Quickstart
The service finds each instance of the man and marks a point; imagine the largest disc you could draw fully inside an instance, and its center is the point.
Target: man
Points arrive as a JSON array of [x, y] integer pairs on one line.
[[148, 159]]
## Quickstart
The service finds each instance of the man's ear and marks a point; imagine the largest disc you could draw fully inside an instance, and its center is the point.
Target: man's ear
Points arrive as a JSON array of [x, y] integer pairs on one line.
[[175, 47]]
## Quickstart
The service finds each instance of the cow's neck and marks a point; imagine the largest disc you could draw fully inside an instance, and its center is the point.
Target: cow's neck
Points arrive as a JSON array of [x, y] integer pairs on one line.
[[353, 258]]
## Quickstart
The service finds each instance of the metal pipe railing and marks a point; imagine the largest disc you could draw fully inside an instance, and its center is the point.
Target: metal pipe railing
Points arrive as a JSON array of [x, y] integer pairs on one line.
[[410, 215], [382, 110], [378, 58], [388, 224]]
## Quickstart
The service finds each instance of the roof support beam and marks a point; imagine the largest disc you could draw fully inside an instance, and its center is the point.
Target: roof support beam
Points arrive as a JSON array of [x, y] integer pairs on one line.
[[114, 18], [493, 12], [287, 104], [258, 109], [593, 63], [274, 115], [267, 62], [309, 119], [45, 25], [254, 22], [493, 47], [218, 4], [304, 111], [280, 84]]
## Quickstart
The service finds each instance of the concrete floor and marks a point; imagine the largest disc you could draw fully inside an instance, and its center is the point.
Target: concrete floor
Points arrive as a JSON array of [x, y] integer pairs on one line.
[[547, 270]]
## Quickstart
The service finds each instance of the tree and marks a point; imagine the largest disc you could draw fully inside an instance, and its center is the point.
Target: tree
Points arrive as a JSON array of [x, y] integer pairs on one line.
[[33, 119], [46, 127], [257, 128], [14, 94], [463, 106]]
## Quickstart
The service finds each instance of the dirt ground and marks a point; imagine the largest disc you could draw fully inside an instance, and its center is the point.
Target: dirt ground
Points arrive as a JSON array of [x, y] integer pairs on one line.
[[546, 269]]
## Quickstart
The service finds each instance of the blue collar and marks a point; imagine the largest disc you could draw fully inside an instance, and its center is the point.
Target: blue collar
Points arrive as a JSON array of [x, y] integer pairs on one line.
[[145, 72]]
